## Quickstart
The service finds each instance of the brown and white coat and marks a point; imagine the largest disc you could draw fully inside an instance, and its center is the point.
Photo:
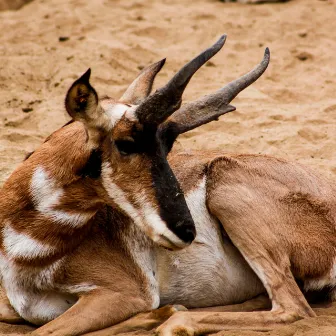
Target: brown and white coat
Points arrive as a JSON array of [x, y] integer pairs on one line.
[[83, 216]]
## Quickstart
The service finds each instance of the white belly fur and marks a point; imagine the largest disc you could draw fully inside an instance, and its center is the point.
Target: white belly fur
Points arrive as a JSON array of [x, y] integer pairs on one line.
[[31, 292], [211, 271]]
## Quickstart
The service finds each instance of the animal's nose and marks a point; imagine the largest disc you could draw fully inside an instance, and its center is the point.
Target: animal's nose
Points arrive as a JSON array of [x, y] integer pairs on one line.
[[187, 233]]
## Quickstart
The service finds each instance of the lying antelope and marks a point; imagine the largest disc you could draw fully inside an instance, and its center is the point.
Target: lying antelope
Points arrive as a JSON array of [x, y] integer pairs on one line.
[[83, 218]]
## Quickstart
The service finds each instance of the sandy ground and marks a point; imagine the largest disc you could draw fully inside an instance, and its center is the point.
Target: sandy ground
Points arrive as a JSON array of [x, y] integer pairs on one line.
[[290, 112]]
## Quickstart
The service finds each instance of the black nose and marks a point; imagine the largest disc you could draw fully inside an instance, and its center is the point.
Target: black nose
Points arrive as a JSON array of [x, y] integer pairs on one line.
[[187, 233]]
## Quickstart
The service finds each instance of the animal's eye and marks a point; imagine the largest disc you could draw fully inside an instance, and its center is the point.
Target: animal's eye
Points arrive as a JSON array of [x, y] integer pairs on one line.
[[126, 147]]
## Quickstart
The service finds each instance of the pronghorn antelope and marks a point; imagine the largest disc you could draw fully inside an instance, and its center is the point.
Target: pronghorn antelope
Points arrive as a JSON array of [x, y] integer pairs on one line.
[[73, 212], [80, 215]]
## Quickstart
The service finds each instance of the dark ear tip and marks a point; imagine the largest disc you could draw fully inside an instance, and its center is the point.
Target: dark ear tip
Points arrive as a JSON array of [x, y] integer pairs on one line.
[[86, 76]]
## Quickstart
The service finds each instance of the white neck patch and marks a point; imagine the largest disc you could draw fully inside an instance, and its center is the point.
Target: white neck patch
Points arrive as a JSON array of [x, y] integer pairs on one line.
[[20, 245], [46, 195]]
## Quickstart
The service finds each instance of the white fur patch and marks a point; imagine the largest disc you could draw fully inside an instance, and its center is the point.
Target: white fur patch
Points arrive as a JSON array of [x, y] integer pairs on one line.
[[141, 249], [30, 290], [115, 112], [45, 307], [210, 272], [130, 113], [196, 201], [46, 195], [145, 216], [33, 293], [20, 245], [80, 288]]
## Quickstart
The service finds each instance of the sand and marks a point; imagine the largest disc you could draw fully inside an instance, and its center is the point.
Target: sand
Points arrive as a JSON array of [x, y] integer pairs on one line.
[[290, 112]]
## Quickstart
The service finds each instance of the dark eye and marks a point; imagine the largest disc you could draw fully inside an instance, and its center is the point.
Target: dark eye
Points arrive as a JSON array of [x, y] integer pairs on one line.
[[126, 147]]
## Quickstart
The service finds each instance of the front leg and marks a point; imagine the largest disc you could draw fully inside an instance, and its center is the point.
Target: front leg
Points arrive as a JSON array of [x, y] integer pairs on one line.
[[143, 322], [248, 222], [95, 310], [195, 323], [261, 302], [148, 321]]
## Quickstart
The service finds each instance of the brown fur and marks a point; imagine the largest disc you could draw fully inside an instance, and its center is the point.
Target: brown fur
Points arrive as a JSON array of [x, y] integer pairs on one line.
[[279, 215], [282, 218], [87, 253], [15, 192]]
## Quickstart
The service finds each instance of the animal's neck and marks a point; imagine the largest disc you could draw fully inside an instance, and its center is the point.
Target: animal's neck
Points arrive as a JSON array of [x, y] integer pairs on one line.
[[46, 205], [143, 253], [129, 244], [43, 220]]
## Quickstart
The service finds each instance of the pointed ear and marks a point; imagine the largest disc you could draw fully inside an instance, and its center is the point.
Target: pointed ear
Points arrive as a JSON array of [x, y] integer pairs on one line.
[[142, 85], [81, 100], [82, 104]]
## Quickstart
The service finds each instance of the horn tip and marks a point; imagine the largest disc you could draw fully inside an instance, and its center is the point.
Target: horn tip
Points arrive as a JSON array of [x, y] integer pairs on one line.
[[160, 64], [222, 39], [231, 108], [267, 56], [219, 44]]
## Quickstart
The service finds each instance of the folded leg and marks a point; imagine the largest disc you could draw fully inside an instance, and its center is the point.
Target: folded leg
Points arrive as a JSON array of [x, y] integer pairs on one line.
[[261, 302], [147, 321], [93, 311], [251, 221], [201, 323]]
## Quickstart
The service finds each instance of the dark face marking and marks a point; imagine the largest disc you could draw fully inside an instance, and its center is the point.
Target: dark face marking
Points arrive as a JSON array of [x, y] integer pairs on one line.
[[168, 134], [173, 208], [93, 166]]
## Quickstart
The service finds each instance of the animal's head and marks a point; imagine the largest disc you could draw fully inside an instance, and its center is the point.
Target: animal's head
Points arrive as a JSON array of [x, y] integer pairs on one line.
[[133, 136]]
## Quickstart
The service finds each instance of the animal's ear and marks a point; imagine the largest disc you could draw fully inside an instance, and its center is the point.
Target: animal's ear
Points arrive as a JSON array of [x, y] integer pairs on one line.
[[141, 87], [81, 100], [82, 104]]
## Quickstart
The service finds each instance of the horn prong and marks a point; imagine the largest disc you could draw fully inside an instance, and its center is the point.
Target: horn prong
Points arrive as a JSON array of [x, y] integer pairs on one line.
[[141, 87], [212, 106], [165, 101]]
